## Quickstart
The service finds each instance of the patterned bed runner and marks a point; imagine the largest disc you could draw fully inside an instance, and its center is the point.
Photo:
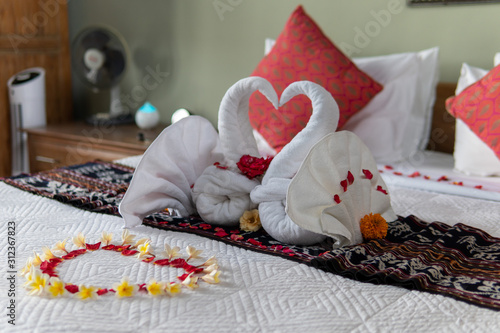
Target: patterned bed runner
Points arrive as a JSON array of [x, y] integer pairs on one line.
[[457, 261]]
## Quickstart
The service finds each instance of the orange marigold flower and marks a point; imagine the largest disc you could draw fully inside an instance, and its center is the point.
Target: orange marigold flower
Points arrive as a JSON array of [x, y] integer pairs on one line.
[[373, 226]]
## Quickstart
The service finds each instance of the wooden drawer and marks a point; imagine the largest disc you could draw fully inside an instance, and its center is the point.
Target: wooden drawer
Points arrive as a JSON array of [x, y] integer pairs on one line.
[[49, 148]]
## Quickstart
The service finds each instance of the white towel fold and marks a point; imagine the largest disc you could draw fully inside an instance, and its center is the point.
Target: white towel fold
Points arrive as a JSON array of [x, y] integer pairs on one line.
[[336, 186], [223, 195], [169, 168], [271, 195]]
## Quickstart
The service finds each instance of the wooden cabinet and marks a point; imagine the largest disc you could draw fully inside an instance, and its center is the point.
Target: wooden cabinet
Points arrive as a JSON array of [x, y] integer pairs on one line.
[[34, 33], [73, 143]]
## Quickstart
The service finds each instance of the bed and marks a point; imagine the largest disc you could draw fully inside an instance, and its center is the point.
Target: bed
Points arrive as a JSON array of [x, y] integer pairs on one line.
[[437, 269]]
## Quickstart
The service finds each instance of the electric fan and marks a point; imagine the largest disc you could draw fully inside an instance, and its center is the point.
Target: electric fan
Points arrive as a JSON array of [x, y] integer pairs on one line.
[[99, 61]]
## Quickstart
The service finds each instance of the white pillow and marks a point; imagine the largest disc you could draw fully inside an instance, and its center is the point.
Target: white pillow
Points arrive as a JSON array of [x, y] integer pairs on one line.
[[396, 123], [472, 156]]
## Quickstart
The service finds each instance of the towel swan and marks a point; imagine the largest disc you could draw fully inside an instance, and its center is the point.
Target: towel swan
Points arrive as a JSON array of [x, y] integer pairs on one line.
[[222, 192], [168, 169], [271, 194]]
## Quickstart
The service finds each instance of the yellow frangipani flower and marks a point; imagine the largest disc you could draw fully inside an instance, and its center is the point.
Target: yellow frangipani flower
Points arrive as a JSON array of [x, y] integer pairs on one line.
[[37, 282], [56, 287], [141, 241], [172, 288], [211, 261], [27, 268], [144, 247], [211, 268], [155, 288], [86, 292], [47, 253], [36, 259], [191, 281], [212, 278], [193, 253], [127, 238], [106, 238], [79, 240], [125, 289], [61, 246], [171, 252]]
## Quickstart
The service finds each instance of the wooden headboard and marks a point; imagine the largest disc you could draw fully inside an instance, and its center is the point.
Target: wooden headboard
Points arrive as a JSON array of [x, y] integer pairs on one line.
[[442, 135]]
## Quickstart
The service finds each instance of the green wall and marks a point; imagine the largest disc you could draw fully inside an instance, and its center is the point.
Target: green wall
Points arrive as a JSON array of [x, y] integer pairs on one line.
[[210, 44]]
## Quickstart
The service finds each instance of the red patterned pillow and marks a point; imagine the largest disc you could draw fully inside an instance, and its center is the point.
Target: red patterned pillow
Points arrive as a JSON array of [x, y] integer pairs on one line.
[[478, 106], [303, 52]]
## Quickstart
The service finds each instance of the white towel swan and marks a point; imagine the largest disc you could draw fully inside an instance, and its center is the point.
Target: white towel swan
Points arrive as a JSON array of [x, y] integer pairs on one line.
[[271, 194], [169, 168], [222, 192]]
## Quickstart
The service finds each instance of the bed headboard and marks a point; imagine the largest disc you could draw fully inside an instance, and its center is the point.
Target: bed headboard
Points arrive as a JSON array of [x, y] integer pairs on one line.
[[442, 136]]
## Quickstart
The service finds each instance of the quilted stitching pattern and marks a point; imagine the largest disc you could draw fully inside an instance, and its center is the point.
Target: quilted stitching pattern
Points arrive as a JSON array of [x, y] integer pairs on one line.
[[479, 107], [303, 52]]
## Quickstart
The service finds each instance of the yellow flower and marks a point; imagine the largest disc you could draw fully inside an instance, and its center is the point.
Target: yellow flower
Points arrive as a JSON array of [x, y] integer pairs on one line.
[[27, 268], [106, 238], [212, 278], [37, 282], [172, 288], [127, 238], [61, 246], [36, 260], [171, 252], [210, 268], [141, 241], [86, 292], [250, 221], [47, 253], [211, 261], [79, 240], [143, 248], [124, 288], [191, 281], [56, 287], [155, 288], [373, 226], [193, 253]]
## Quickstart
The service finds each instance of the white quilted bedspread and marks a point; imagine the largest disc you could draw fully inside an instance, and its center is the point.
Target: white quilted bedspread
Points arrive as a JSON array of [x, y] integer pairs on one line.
[[257, 293]]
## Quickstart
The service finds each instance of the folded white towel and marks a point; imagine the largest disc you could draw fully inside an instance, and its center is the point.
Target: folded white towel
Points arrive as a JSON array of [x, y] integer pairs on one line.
[[169, 168], [271, 195], [336, 186], [222, 193]]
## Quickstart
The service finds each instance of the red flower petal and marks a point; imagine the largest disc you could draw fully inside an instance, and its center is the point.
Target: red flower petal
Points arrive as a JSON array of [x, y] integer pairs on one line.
[[380, 189], [129, 253], [344, 184], [72, 288], [221, 233], [397, 173], [236, 237], [388, 167], [74, 254], [350, 177], [478, 187], [217, 164], [336, 198], [442, 178], [205, 226], [183, 277], [367, 174], [415, 174], [178, 263], [120, 248], [93, 247], [149, 259], [254, 242], [109, 247], [103, 291], [162, 262]]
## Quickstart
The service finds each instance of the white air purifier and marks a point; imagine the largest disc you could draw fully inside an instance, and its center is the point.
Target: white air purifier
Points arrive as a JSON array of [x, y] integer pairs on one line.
[[27, 107]]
